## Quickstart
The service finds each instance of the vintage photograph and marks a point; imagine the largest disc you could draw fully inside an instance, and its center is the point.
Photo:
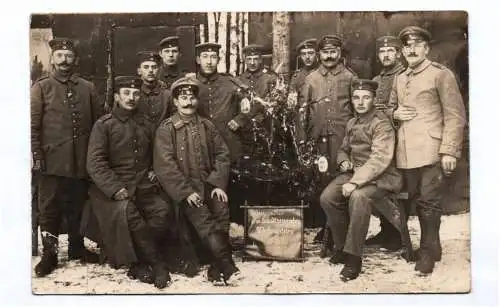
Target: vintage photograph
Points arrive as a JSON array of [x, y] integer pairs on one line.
[[250, 152]]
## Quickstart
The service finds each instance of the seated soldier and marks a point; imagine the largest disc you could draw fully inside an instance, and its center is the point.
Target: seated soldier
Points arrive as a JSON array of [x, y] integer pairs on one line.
[[368, 175], [192, 162], [125, 197]]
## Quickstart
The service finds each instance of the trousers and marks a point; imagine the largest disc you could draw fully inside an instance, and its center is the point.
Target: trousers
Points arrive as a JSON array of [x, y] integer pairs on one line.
[[349, 218], [424, 186]]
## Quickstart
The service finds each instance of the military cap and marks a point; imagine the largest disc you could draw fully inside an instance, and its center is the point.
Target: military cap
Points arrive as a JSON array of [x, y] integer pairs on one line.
[[62, 43], [144, 56], [253, 49], [207, 47], [330, 41], [388, 41], [169, 42], [185, 85], [414, 33], [308, 43], [128, 82], [364, 84]]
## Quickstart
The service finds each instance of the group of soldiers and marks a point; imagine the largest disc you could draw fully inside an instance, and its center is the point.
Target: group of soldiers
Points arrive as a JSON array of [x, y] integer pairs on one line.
[[154, 167]]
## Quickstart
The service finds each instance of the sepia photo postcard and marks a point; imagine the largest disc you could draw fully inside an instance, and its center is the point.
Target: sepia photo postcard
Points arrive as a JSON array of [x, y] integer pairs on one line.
[[278, 152]]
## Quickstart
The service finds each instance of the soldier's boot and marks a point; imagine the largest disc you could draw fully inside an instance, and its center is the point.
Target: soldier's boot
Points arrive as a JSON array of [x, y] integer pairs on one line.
[[77, 250], [224, 266], [142, 272], [49, 262], [327, 243], [352, 267], [148, 254], [381, 238], [318, 238], [338, 256], [393, 241], [429, 240]]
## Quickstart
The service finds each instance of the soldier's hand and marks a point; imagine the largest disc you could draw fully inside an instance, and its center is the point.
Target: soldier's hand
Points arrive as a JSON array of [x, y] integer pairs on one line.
[[405, 113], [220, 194], [233, 125], [449, 163], [151, 176], [348, 188], [346, 166], [122, 194], [194, 200]]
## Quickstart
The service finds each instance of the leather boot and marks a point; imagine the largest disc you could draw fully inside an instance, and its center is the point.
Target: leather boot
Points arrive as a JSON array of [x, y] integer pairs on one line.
[[326, 243], [318, 238], [77, 251], [148, 254], [352, 267], [338, 257], [380, 238], [429, 240], [223, 260], [48, 263]]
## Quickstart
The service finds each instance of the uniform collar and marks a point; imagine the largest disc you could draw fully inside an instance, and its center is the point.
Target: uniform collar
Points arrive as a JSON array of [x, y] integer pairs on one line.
[[172, 70], [419, 68], [307, 68], [204, 78], [122, 114], [179, 121], [257, 74], [398, 67], [366, 117], [155, 88], [63, 79], [335, 70]]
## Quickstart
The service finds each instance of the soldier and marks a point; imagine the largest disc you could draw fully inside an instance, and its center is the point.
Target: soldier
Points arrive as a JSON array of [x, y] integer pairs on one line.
[[170, 53], [389, 54], [192, 163], [368, 175], [326, 92], [426, 106], [63, 109], [220, 99], [155, 96], [308, 54], [124, 196]]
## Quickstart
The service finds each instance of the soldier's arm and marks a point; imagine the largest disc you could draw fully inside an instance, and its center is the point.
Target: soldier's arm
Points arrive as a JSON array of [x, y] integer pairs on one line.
[[168, 105], [219, 176], [382, 151], [97, 104], [98, 162], [392, 104], [303, 116], [36, 102], [453, 112], [343, 153], [165, 166]]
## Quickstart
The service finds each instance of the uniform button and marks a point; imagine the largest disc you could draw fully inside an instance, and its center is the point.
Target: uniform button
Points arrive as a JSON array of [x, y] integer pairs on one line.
[[135, 150], [74, 136], [180, 159], [74, 121], [182, 147], [135, 140]]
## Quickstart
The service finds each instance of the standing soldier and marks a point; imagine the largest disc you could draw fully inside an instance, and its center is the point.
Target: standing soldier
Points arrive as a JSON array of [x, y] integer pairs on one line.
[[427, 107], [389, 54], [125, 198], [170, 54], [192, 163], [308, 54], [326, 98], [368, 175], [261, 81], [63, 109], [220, 99], [155, 96]]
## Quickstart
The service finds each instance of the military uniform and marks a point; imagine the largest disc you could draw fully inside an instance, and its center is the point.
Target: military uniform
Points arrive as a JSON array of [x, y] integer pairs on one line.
[[369, 145], [299, 77], [171, 73], [436, 130], [190, 156], [120, 156], [63, 110], [327, 94]]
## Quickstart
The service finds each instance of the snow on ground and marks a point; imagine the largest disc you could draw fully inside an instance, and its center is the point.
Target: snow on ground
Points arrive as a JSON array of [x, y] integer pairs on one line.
[[383, 272]]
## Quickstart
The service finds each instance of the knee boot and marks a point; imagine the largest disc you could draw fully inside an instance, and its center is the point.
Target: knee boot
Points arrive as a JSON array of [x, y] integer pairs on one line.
[[326, 243], [148, 255], [223, 265], [430, 247], [76, 248], [48, 263]]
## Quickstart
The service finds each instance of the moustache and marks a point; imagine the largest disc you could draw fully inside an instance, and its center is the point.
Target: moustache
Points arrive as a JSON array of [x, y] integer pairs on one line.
[[188, 106], [412, 55]]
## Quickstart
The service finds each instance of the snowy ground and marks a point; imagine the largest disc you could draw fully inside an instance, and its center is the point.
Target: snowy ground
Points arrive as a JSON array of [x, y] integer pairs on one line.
[[383, 272]]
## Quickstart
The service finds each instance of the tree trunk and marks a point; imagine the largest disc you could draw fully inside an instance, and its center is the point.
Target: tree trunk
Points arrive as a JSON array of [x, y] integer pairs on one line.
[[233, 45], [212, 26], [222, 41], [281, 42]]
